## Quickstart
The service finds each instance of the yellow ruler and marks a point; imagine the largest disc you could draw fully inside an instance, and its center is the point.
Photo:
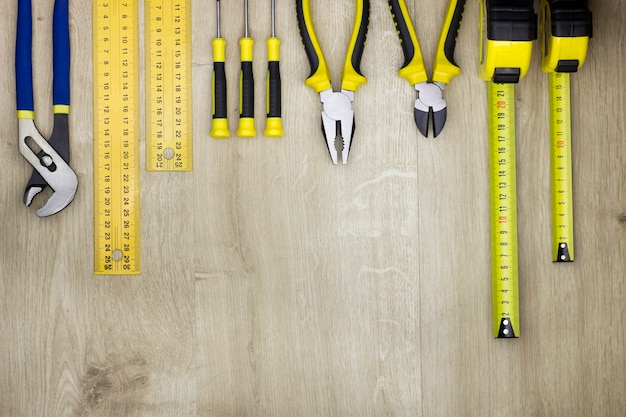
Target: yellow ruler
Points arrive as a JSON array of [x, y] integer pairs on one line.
[[116, 137], [503, 201], [561, 168], [168, 79]]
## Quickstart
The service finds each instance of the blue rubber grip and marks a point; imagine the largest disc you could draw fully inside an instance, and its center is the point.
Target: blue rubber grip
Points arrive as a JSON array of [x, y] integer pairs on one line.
[[61, 53], [23, 58]]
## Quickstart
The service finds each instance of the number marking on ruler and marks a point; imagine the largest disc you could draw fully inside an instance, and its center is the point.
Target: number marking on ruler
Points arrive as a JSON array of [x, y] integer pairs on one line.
[[168, 69], [503, 189], [561, 168], [116, 137]]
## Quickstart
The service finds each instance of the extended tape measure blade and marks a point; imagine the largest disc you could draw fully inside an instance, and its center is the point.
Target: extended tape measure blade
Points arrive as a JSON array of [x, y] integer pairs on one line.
[[503, 210], [561, 168]]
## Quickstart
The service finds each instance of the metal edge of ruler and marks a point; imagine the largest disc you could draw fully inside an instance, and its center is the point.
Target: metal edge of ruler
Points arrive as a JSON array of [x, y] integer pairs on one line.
[[503, 210], [561, 168], [117, 232], [169, 130]]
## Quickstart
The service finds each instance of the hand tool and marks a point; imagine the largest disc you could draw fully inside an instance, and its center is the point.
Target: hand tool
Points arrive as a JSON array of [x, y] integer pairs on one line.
[[566, 29], [430, 102], [246, 83], [510, 27], [219, 124], [338, 115], [117, 94], [50, 159], [273, 122], [169, 137]]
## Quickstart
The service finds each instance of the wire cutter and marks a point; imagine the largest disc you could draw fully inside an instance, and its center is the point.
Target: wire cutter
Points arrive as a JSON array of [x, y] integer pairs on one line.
[[50, 159], [430, 99], [337, 115]]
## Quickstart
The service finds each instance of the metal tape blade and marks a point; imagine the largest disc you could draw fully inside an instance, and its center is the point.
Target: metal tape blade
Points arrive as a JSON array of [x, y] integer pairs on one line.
[[503, 212]]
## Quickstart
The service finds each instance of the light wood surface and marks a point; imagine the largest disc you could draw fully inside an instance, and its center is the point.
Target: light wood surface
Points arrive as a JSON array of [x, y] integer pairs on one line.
[[275, 284]]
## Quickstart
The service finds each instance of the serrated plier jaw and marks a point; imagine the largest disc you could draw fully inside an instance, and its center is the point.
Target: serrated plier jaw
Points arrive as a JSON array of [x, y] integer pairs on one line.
[[338, 122]]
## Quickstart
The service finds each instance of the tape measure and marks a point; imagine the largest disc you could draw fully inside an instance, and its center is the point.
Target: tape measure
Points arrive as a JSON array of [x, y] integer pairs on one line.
[[567, 27], [168, 78], [561, 168], [116, 137], [503, 212], [508, 28]]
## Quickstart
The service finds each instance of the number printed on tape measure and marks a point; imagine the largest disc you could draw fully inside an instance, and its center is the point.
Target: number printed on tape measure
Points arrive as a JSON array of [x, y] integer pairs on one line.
[[116, 138], [168, 46]]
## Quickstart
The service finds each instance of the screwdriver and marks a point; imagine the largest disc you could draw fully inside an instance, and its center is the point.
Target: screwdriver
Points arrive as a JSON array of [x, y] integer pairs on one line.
[[273, 124], [219, 125], [246, 83]]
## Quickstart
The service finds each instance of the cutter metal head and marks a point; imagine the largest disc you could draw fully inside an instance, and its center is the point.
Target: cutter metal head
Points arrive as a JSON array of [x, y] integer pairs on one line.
[[429, 102]]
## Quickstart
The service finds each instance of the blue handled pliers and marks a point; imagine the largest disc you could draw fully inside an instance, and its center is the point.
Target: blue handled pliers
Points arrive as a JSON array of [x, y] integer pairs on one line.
[[49, 158]]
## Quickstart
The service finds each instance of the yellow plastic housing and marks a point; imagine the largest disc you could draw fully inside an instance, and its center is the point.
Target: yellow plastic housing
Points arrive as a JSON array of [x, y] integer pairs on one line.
[[505, 54]]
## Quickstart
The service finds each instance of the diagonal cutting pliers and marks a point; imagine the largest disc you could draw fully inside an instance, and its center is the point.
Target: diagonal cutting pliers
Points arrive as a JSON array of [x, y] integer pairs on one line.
[[430, 102], [49, 158], [337, 113]]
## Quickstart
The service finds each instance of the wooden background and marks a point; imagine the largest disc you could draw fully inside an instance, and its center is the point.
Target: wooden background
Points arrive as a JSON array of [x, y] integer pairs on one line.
[[276, 284]]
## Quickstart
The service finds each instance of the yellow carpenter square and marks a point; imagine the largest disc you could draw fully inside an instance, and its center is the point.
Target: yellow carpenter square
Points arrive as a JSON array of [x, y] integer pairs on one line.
[[117, 238], [169, 135]]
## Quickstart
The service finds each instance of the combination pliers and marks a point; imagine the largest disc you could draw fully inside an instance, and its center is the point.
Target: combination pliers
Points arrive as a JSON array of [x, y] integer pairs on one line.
[[337, 113], [49, 158], [430, 99]]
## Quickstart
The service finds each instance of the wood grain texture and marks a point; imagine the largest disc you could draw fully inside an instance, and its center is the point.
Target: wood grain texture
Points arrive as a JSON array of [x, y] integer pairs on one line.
[[275, 284]]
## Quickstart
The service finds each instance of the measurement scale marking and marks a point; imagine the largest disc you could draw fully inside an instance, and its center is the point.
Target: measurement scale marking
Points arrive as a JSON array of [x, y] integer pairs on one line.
[[561, 168], [503, 199], [169, 138], [116, 139]]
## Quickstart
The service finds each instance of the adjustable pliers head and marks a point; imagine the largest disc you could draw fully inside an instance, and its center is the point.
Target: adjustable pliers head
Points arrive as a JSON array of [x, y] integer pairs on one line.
[[50, 162], [338, 122], [430, 104]]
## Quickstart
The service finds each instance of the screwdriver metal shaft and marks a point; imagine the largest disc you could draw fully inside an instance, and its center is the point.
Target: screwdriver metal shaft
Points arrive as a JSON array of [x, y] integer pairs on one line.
[[219, 125], [274, 125], [246, 83]]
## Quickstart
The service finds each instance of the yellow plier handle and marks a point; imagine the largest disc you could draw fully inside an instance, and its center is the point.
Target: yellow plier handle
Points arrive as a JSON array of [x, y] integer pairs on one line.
[[445, 68], [508, 28], [351, 77], [413, 69], [319, 79], [567, 27]]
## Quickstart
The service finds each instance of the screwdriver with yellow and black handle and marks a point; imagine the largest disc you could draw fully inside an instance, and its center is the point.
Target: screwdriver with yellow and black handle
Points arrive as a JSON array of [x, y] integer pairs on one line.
[[273, 123], [246, 83], [219, 125]]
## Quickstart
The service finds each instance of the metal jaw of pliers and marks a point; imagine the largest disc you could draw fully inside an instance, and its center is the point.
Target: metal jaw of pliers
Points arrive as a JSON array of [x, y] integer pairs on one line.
[[50, 164], [338, 122], [430, 105], [337, 114], [49, 158]]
